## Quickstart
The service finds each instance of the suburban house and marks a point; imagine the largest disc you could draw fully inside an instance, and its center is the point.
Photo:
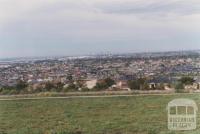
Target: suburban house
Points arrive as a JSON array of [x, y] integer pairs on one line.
[[195, 85], [91, 83], [160, 82], [121, 85]]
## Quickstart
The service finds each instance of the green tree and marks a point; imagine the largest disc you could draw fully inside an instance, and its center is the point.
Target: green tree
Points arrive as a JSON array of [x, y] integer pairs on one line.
[[59, 86], [133, 84], [49, 86], [21, 85], [187, 80], [142, 82], [72, 87], [80, 84], [109, 82], [161, 86], [139, 84], [104, 84], [179, 87], [69, 77], [100, 86]]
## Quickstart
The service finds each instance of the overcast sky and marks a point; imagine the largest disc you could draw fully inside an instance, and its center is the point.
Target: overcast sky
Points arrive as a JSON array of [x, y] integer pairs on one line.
[[76, 27]]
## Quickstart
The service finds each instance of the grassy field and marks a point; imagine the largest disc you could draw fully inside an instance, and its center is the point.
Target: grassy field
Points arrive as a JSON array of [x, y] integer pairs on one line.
[[117, 115]]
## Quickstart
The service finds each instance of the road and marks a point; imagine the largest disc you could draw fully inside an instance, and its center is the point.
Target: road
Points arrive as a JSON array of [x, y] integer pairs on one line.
[[93, 96]]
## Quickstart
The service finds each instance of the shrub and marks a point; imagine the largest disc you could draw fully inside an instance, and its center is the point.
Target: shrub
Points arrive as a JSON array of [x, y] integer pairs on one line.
[[85, 89], [5, 92]]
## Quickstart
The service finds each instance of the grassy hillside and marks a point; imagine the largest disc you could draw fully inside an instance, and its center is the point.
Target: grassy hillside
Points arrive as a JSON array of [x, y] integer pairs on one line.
[[118, 115]]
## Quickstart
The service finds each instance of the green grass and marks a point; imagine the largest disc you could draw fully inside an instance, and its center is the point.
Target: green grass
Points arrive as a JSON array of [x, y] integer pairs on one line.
[[118, 115]]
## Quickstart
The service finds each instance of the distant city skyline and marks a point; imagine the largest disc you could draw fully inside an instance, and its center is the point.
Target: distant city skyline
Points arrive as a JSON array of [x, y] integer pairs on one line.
[[66, 28]]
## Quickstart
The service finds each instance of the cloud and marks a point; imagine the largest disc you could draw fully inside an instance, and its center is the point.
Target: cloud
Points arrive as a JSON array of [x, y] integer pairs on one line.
[[78, 24], [182, 7]]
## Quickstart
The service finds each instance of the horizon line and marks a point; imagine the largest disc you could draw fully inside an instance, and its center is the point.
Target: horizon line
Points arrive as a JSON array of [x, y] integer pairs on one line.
[[100, 53]]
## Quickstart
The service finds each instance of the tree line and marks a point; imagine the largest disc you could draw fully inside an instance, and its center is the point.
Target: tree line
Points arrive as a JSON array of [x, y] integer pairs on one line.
[[23, 87]]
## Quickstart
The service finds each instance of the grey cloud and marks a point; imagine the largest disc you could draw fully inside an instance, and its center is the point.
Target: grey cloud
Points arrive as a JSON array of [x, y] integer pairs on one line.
[[183, 7], [53, 27]]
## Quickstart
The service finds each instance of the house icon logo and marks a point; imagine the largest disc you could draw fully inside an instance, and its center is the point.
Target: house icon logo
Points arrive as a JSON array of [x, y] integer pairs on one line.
[[182, 114]]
